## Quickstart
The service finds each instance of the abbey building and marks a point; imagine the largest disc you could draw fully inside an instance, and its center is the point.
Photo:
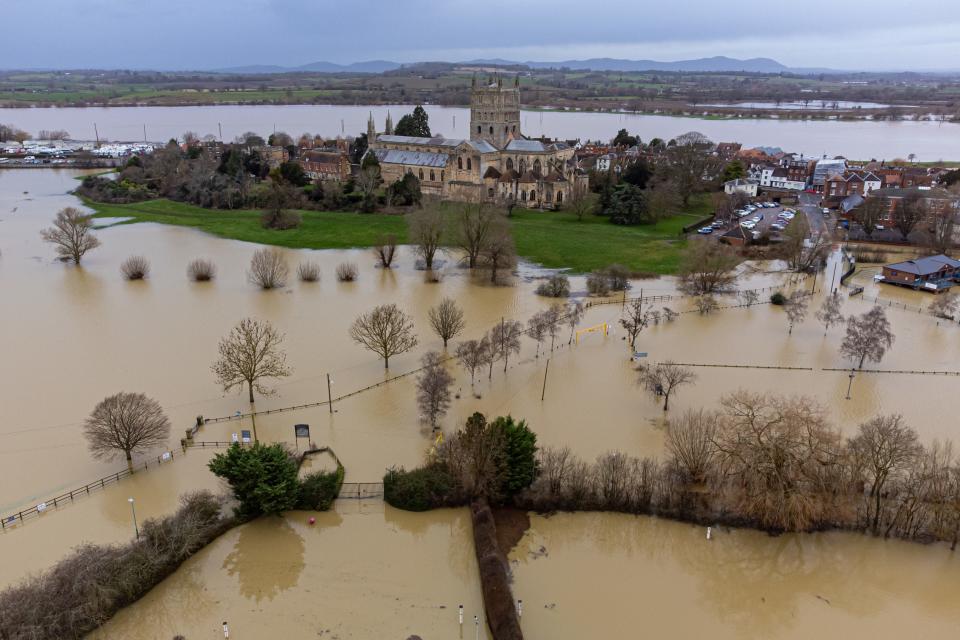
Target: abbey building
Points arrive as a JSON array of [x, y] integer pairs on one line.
[[495, 164]]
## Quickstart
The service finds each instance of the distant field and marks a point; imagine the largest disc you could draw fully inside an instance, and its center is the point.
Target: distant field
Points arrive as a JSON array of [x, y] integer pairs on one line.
[[553, 239]]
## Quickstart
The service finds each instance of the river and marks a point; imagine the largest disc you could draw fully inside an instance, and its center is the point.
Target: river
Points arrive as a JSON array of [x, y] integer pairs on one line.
[[71, 336], [862, 139]]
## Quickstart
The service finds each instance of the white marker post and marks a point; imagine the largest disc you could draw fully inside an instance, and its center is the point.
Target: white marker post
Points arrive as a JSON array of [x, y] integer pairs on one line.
[[519, 608], [226, 630], [476, 623]]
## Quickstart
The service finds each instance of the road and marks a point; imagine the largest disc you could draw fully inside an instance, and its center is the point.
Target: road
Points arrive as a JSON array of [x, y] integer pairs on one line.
[[809, 204]]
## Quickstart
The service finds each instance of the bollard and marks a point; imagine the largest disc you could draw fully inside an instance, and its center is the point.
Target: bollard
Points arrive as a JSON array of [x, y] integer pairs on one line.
[[519, 608], [226, 630], [461, 615]]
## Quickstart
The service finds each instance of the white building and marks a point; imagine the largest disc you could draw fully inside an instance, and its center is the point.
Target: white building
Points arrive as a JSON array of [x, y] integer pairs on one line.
[[746, 187]]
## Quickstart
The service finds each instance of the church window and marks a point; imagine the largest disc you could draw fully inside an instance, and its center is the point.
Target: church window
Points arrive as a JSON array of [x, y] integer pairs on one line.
[[460, 163], [469, 165], [479, 129], [559, 197], [441, 176], [523, 195], [432, 175], [523, 166], [506, 129], [491, 129], [533, 195], [514, 128], [490, 192], [509, 164], [537, 167]]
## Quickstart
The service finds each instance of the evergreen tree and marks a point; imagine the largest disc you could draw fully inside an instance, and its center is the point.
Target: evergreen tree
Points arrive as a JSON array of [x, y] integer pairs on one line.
[[415, 124]]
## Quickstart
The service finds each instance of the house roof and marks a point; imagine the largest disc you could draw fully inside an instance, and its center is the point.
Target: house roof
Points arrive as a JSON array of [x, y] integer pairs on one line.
[[529, 176], [894, 192], [491, 172], [435, 141], [509, 175], [322, 157], [926, 266], [417, 158]]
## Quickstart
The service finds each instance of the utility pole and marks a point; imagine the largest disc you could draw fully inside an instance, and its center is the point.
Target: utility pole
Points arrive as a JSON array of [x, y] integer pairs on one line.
[[133, 510], [850, 384], [144, 132], [543, 391], [96, 134], [832, 277], [329, 395], [220, 131]]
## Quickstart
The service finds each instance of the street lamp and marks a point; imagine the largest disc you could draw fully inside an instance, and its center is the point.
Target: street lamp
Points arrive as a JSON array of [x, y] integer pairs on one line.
[[133, 510], [850, 384]]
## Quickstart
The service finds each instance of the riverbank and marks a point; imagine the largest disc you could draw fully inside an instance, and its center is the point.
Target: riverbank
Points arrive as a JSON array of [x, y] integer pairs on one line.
[[551, 239]]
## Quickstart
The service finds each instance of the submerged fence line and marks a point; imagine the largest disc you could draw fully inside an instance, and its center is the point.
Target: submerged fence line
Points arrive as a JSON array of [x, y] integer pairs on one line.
[[743, 366], [70, 496]]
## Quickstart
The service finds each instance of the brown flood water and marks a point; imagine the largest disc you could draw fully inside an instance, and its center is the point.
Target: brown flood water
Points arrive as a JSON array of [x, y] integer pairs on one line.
[[72, 336]]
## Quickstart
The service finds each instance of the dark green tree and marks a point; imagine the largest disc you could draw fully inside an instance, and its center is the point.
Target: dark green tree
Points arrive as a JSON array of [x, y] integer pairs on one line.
[[733, 171], [638, 174], [624, 139], [405, 191], [414, 124], [292, 171], [520, 454], [358, 148], [263, 478], [629, 206]]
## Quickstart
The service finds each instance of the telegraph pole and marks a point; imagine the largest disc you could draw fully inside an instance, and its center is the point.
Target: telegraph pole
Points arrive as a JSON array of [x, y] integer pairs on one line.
[[329, 395], [543, 391]]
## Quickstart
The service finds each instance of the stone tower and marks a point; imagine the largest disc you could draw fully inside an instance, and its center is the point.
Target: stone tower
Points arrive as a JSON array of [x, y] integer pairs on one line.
[[371, 130], [495, 112], [388, 130]]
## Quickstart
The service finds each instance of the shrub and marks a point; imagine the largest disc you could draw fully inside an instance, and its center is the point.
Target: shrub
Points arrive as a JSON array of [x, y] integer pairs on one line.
[[421, 489], [135, 268], [268, 269], [95, 581], [317, 491], [280, 220], [346, 272], [263, 478], [778, 298], [308, 271], [520, 453], [201, 270], [597, 284], [619, 277], [557, 286]]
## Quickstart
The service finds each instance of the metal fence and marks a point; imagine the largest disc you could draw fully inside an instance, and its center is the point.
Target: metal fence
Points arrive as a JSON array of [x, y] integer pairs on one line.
[[360, 490], [72, 495]]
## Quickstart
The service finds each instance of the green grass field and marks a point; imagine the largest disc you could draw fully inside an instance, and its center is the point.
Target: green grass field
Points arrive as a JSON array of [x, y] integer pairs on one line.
[[553, 239]]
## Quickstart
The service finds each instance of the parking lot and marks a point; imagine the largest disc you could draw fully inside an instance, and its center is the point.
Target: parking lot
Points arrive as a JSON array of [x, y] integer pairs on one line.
[[756, 220]]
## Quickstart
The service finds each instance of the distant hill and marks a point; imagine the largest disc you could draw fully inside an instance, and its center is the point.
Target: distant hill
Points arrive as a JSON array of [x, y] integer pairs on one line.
[[716, 63], [370, 66]]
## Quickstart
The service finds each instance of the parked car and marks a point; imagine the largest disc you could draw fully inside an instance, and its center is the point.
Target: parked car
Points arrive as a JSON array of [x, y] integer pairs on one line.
[[776, 226], [705, 230], [826, 211]]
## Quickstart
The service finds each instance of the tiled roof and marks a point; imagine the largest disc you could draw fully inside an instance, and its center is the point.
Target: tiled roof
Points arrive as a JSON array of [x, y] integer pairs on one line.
[[491, 172], [925, 266], [435, 141], [418, 158], [482, 146], [525, 145]]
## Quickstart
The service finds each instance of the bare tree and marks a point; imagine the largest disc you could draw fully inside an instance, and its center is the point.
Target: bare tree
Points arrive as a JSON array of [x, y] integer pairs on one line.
[[707, 268], [574, 314], [126, 422], [634, 320], [386, 330], [433, 389], [868, 337], [385, 250], [944, 305], [249, 354], [135, 268], [201, 270], [663, 378], [796, 308], [884, 447], [505, 338], [446, 319], [690, 165], [426, 228], [749, 297], [346, 272], [804, 252], [909, 212], [472, 356], [552, 320], [472, 229], [939, 234], [706, 304], [690, 443], [580, 204], [268, 269], [829, 313], [869, 214], [71, 233], [308, 271], [537, 329], [498, 252]]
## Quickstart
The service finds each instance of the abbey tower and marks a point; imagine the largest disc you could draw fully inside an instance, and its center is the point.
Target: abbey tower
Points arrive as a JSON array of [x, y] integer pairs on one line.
[[495, 112]]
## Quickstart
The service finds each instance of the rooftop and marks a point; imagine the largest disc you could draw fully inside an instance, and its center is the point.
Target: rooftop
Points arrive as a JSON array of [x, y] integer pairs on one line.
[[418, 158], [926, 266]]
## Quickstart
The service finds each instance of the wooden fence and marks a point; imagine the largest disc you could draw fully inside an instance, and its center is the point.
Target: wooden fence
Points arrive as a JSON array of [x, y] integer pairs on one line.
[[360, 490]]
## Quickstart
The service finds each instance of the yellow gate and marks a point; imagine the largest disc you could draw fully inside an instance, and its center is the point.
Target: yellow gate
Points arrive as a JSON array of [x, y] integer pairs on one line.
[[594, 329]]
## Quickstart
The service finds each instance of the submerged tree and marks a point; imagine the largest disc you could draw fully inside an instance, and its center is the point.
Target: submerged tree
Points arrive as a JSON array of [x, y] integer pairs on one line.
[[426, 228], [472, 356], [472, 230], [707, 268], [386, 330], [249, 354], [634, 320], [128, 423], [446, 319], [868, 337], [663, 378], [796, 308], [829, 313], [573, 314], [71, 233], [944, 305], [433, 389], [505, 338]]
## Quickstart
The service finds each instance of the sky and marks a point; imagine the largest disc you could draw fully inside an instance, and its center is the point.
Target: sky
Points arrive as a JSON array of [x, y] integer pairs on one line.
[[210, 34]]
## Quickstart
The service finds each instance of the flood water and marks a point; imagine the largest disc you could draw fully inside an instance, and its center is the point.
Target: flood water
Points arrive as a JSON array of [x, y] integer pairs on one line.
[[73, 336], [930, 141]]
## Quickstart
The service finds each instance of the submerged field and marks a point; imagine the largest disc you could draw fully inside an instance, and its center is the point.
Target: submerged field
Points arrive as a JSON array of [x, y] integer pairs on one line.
[[552, 239]]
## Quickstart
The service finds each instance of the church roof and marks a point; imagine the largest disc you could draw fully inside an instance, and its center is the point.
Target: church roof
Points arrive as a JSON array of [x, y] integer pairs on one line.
[[436, 141], [482, 146], [555, 176], [491, 172], [525, 145], [419, 158], [509, 175]]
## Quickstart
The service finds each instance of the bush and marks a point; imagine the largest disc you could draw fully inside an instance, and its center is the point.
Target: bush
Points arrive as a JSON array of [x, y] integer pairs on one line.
[[263, 478], [778, 298], [346, 272], [308, 271], [91, 584], [268, 269], [201, 270], [520, 453], [619, 277], [557, 286], [135, 268], [317, 491], [422, 489], [280, 220], [597, 283]]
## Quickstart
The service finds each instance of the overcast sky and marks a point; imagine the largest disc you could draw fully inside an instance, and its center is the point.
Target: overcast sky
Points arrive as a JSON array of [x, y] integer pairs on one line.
[[205, 34]]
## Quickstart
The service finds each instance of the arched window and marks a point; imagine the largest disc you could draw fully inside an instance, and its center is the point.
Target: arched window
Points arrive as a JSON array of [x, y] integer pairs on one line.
[[514, 128], [460, 163], [559, 197], [432, 176], [469, 165], [421, 174], [506, 129], [490, 192], [441, 176], [491, 129], [510, 196], [548, 197], [523, 195], [479, 130], [523, 166], [509, 164], [533, 195], [537, 167]]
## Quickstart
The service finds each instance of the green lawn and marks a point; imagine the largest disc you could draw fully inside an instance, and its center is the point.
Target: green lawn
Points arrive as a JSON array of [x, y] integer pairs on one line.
[[553, 239]]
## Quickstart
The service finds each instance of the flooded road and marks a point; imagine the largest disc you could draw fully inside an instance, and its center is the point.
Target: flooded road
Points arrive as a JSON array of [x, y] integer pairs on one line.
[[73, 336]]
